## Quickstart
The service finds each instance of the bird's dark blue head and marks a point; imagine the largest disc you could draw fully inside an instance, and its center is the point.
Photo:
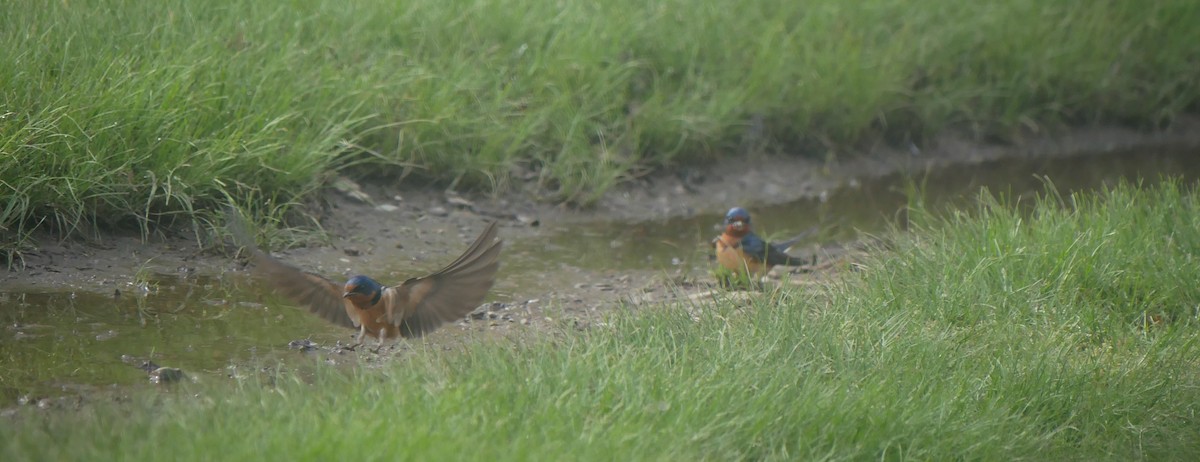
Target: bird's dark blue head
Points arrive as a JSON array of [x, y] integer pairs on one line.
[[737, 222], [737, 214], [363, 288]]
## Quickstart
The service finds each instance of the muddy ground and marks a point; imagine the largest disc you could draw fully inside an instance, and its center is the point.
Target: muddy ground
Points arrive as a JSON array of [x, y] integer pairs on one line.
[[406, 231]]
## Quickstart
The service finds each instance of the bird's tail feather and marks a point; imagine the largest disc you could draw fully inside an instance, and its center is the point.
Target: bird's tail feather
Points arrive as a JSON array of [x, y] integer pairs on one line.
[[787, 244]]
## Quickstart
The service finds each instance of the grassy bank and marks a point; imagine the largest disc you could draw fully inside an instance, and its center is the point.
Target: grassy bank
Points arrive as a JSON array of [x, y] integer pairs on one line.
[[127, 113], [1063, 333]]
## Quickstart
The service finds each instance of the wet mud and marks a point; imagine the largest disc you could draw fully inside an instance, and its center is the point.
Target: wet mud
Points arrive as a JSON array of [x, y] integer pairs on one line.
[[100, 317]]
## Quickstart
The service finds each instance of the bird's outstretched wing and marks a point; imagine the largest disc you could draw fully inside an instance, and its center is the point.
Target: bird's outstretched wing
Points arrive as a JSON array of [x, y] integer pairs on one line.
[[450, 293], [320, 295]]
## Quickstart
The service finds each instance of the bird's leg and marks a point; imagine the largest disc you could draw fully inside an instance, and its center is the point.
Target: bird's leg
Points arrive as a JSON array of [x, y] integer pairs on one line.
[[358, 339], [382, 337]]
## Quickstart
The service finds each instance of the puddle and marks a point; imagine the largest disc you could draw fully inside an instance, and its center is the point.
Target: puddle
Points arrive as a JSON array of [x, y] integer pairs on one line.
[[62, 343], [841, 214], [54, 343]]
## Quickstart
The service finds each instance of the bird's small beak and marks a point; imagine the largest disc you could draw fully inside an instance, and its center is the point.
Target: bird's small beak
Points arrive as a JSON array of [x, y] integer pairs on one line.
[[347, 294], [738, 225]]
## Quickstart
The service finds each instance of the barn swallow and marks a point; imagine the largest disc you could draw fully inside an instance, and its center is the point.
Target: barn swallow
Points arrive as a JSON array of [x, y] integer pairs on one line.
[[742, 252], [413, 308]]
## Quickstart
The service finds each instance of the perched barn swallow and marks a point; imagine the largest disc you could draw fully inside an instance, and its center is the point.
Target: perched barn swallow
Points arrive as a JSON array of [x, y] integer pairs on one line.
[[413, 308], [742, 252]]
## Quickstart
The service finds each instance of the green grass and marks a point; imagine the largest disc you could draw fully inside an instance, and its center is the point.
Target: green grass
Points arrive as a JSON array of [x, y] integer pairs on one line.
[[126, 113], [1061, 331]]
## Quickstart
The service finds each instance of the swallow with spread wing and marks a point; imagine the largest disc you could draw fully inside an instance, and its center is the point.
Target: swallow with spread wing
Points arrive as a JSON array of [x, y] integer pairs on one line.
[[411, 309]]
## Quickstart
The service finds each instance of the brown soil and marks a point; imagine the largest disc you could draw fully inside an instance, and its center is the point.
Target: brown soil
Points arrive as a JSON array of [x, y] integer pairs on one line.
[[429, 227]]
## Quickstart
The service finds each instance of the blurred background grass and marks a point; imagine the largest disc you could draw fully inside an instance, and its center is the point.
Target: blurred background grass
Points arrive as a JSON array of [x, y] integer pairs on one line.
[[126, 113]]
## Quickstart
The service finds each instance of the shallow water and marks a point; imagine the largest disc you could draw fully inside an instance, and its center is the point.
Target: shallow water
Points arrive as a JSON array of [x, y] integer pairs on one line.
[[845, 213], [63, 343]]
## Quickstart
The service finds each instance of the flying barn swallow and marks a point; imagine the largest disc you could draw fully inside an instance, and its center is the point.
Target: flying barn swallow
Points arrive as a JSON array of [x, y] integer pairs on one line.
[[413, 308], [742, 252]]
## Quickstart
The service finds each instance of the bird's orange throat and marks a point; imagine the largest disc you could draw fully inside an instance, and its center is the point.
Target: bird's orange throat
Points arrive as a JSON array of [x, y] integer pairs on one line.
[[730, 240], [363, 301], [737, 232]]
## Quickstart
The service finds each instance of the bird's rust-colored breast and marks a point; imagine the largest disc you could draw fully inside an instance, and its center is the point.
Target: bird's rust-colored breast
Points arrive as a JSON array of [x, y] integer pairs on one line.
[[373, 317], [731, 257]]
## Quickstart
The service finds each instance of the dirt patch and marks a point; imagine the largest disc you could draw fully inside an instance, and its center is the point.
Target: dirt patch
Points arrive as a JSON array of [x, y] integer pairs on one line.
[[395, 231], [548, 285]]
